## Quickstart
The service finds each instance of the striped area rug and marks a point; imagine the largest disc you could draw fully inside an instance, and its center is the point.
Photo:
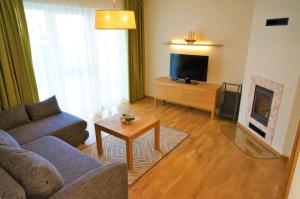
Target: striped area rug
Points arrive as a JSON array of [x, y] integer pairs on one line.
[[144, 154]]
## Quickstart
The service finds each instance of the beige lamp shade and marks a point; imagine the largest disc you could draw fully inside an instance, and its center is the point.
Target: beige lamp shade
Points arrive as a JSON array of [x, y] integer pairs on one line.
[[115, 19]]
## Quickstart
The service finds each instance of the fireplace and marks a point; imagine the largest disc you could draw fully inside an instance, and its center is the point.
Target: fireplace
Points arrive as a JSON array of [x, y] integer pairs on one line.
[[263, 106], [262, 103]]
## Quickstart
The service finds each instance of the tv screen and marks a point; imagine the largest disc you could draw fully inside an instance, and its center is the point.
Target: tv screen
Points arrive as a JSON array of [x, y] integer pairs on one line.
[[189, 67]]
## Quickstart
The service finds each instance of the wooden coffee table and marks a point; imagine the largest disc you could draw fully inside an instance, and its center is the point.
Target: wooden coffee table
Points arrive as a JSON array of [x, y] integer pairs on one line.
[[127, 132]]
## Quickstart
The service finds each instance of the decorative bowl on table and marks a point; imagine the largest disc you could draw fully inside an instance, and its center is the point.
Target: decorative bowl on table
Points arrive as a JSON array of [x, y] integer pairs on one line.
[[126, 118]]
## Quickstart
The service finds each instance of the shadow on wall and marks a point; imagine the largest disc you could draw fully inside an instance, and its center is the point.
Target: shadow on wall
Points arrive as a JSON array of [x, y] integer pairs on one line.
[[294, 119]]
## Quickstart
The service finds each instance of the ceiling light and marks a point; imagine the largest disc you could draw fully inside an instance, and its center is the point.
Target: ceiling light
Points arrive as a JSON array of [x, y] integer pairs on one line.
[[115, 19]]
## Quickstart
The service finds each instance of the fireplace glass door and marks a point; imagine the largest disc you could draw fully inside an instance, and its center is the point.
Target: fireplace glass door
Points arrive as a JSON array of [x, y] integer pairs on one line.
[[262, 102]]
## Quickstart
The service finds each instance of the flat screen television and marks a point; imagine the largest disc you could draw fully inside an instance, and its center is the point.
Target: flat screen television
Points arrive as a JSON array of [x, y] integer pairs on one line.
[[188, 67]]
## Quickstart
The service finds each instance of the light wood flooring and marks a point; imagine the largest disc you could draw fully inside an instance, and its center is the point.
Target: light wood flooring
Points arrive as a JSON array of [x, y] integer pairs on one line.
[[206, 165]]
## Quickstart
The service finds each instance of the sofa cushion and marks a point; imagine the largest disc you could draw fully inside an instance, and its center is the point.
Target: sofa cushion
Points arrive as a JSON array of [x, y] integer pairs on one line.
[[62, 125], [7, 140], [70, 162], [13, 117], [77, 139], [39, 178], [9, 188], [43, 109]]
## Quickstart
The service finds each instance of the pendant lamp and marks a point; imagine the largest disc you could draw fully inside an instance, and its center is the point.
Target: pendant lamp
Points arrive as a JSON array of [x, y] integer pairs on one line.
[[115, 19]]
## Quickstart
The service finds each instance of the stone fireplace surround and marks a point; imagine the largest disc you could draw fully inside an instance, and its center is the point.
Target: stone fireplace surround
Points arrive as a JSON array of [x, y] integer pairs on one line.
[[277, 88]]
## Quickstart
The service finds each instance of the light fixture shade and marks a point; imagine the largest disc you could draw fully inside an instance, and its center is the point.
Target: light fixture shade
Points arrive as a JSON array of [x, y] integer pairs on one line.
[[115, 19]]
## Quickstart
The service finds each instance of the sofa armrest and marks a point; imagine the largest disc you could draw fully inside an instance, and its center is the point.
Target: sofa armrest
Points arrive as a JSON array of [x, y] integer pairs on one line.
[[9, 188], [110, 181]]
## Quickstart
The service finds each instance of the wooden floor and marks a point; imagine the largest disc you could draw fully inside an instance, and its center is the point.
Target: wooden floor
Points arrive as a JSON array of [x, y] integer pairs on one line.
[[206, 165]]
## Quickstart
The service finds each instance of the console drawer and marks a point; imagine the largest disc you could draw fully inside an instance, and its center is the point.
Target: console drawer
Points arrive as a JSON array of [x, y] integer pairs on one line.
[[161, 91], [197, 99], [174, 94]]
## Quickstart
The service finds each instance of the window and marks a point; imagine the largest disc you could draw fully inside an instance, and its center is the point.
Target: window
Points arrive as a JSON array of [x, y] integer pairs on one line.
[[87, 69]]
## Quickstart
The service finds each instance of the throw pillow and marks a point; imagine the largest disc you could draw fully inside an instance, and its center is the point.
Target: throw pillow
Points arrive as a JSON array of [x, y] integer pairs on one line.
[[39, 178], [43, 109], [13, 117], [8, 140]]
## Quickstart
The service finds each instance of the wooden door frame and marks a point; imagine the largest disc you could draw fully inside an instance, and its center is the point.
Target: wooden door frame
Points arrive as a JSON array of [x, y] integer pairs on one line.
[[292, 163]]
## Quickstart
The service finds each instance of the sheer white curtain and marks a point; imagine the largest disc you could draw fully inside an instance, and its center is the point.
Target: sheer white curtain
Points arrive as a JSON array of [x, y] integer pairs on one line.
[[86, 69]]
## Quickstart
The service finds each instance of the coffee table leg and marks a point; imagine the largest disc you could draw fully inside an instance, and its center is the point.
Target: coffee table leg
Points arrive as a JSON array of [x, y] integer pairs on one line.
[[157, 136], [99, 141], [129, 154]]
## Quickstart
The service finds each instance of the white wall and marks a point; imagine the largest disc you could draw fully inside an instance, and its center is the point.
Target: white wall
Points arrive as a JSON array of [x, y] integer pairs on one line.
[[294, 190], [293, 123], [226, 22], [274, 54]]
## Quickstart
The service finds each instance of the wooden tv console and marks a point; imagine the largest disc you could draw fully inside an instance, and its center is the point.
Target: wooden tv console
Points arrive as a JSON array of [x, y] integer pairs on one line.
[[201, 96]]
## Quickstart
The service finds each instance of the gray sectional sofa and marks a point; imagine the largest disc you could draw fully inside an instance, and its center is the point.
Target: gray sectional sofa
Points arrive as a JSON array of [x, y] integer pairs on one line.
[[38, 159], [29, 122], [62, 125]]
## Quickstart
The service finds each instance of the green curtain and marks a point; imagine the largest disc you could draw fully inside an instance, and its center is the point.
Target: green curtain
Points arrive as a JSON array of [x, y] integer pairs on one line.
[[136, 52], [17, 81]]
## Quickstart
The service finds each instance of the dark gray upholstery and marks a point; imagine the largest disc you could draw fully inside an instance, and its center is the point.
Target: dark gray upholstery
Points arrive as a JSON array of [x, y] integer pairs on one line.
[[7, 140], [43, 109], [68, 160], [39, 178], [13, 117], [78, 138], [9, 188], [82, 176], [108, 182], [63, 125]]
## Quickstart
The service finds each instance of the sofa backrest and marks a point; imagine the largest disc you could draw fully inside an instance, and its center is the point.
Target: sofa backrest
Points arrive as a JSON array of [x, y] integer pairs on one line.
[[23, 114], [9, 188], [13, 117]]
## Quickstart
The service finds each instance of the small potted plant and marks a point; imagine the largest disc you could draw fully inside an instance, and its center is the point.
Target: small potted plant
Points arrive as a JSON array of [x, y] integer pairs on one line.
[[127, 118]]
